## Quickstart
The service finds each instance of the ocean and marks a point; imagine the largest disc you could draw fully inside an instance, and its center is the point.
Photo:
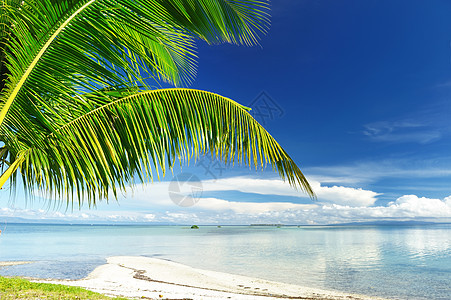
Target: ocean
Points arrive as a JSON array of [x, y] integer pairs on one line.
[[398, 262]]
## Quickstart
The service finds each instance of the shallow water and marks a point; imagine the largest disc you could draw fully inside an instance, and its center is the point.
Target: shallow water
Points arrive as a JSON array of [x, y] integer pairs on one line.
[[403, 262]]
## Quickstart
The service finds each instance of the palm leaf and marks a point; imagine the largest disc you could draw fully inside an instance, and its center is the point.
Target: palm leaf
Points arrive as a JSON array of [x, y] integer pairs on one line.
[[73, 119], [63, 46], [222, 21], [142, 135], [5, 34]]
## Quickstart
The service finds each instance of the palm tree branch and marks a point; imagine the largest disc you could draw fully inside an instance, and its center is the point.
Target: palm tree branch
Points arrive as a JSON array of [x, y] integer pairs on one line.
[[100, 151], [33, 64], [230, 21]]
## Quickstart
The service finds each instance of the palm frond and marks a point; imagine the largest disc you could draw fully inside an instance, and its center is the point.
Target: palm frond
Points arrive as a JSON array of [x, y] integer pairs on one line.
[[5, 35], [99, 152], [62, 47], [222, 21], [74, 119]]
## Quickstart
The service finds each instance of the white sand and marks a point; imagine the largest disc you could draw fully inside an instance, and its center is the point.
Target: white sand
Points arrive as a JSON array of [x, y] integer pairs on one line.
[[150, 278]]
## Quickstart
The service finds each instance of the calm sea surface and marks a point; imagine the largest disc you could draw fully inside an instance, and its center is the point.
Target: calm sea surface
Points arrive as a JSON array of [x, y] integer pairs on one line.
[[399, 262]]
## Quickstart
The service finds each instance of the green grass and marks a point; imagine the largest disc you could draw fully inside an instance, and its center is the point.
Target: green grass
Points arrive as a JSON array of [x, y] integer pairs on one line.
[[18, 288]]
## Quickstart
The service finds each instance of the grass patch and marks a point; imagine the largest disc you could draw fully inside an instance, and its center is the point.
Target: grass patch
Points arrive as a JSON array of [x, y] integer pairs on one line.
[[18, 288]]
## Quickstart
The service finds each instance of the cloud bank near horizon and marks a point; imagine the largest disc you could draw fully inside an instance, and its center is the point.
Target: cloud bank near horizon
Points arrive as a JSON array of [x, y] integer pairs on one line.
[[150, 203]]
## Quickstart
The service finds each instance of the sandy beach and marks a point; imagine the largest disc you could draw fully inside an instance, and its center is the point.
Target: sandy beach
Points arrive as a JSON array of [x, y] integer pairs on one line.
[[150, 278]]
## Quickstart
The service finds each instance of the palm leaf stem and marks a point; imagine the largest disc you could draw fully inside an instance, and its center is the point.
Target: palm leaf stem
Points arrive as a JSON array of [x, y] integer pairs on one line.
[[11, 169], [27, 73]]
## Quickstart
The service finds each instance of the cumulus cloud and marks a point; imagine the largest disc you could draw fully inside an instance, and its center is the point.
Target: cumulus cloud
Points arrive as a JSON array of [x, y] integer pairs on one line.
[[345, 195], [406, 207], [413, 206], [335, 194]]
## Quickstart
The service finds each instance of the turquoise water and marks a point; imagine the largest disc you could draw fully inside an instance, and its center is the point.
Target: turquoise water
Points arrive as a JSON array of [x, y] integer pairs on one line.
[[400, 262]]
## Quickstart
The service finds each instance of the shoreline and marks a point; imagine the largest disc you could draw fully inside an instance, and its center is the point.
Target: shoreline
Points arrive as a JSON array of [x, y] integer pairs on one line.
[[152, 278]]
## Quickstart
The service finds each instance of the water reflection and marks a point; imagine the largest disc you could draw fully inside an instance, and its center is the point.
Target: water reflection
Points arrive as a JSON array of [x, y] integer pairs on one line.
[[396, 262]]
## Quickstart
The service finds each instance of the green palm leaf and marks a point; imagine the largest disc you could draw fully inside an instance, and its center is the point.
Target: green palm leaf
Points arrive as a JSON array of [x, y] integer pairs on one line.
[[63, 45], [143, 134], [77, 116], [230, 21], [5, 34]]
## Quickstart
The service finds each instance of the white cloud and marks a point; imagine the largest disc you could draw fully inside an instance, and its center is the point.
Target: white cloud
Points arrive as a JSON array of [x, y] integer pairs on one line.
[[336, 204], [249, 207], [182, 217], [401, 132], [158, 194], [335, 194], [149, 217], [251, 185], [220, 211], [406, 207], [345, 195], [413, 206]]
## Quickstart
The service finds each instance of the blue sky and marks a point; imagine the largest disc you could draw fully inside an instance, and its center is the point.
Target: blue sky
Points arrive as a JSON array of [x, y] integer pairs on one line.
[[357, 92]]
